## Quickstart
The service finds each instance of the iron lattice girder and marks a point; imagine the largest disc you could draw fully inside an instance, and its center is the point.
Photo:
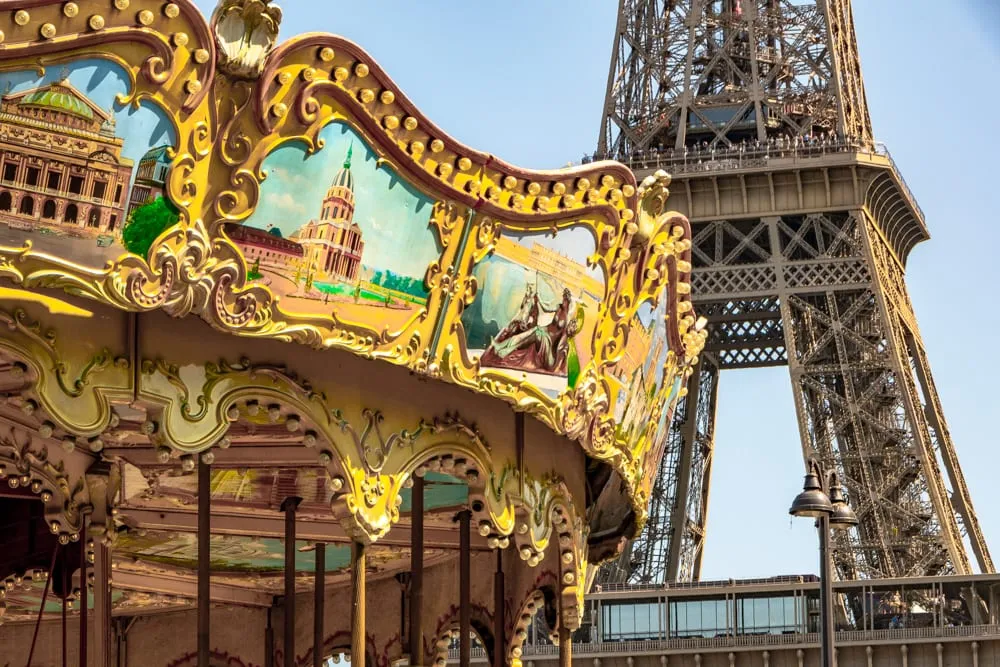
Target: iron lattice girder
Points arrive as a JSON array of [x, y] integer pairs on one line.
[[797, 250], [700, 70], [852, 358]]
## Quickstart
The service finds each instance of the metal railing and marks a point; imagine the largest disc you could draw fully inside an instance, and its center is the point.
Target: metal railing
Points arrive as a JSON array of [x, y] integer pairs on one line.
[[749, 155], [635, 647], [746, 154], [788, 579]]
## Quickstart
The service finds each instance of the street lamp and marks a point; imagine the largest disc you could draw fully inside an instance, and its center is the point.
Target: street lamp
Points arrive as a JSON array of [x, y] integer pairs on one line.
[[823, 499]]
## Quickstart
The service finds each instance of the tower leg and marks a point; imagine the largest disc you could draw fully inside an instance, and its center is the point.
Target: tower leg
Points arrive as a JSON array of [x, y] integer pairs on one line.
[[854, 376], [690, 514]]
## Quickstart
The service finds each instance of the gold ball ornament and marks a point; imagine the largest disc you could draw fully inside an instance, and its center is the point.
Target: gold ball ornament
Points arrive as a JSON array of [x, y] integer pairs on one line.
[[71, 9], [96, 22], [47, 31]]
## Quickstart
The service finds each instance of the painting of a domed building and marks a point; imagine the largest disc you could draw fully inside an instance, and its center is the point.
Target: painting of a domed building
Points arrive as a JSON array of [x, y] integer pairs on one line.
[[68, 154], [336, 231]]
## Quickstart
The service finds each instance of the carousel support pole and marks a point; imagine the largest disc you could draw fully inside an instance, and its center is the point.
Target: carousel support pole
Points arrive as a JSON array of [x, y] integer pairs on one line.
[[565, 639], [204, 558], [357, 604], [66, 586], [289, 506], [64, 663], [269, 641], [84, 519], [565, 646], [319, 598], [464, 588], [498, 613], [416, 571], [102, 604]]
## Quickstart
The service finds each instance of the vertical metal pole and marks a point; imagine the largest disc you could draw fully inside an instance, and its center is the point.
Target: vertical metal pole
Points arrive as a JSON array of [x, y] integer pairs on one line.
[[464, 588], [565, 638], [289, 506], [416, 571], [102, 605], [64, 663], [565, 646], [499, 645], [357, 604], [204, 558], [826, 593], [319, 599], [269, 642], [83, 589]]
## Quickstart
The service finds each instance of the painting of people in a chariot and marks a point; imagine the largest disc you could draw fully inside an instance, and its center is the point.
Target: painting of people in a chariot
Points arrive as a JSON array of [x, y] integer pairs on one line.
[[337, 231], [536, 309], [82, 176]]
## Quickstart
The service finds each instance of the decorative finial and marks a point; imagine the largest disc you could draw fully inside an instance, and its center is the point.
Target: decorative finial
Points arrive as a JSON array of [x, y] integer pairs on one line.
[[63, 74], [347, 160], [653, 193], [7, 88], [245, 31]]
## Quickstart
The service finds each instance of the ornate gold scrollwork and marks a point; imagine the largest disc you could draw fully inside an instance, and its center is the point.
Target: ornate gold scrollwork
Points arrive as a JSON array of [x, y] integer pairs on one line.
[[27, 463], [232, 99]]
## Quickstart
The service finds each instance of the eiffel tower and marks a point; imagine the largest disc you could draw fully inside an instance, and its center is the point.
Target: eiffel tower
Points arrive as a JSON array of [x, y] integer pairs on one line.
[[802, 226]]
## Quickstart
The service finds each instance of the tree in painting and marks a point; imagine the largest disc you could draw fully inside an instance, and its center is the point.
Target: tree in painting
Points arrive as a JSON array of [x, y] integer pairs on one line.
[[146, 223]]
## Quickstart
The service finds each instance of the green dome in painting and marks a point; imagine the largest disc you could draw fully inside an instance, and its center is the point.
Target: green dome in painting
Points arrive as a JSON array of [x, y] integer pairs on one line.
[[59, 99]]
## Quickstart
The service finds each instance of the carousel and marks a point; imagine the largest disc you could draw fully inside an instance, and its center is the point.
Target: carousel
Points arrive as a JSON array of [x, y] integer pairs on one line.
[[289, 375]]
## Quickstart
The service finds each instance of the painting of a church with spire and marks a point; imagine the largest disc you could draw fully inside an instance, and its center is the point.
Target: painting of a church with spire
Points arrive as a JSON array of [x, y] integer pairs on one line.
[[338, 231], [76, 165]]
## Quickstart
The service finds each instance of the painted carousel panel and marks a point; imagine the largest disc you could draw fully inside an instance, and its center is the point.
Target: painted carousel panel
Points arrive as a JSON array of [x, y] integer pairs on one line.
[[82, 177], [644, 380], [536, 310], [338, 231]]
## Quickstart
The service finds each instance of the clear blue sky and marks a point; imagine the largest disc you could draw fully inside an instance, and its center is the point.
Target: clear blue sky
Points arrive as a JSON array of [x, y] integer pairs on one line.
[[525, 80]]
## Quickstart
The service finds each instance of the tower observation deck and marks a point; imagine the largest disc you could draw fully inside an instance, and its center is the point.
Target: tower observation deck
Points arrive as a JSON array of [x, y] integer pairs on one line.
[[802, 227]]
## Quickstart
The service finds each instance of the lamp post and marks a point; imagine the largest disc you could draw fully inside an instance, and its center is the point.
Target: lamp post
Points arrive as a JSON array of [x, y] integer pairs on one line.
[[823, 499]]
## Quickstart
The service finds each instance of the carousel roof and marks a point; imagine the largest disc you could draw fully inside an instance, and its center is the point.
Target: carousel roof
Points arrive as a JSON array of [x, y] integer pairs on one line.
[[486, 336]]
